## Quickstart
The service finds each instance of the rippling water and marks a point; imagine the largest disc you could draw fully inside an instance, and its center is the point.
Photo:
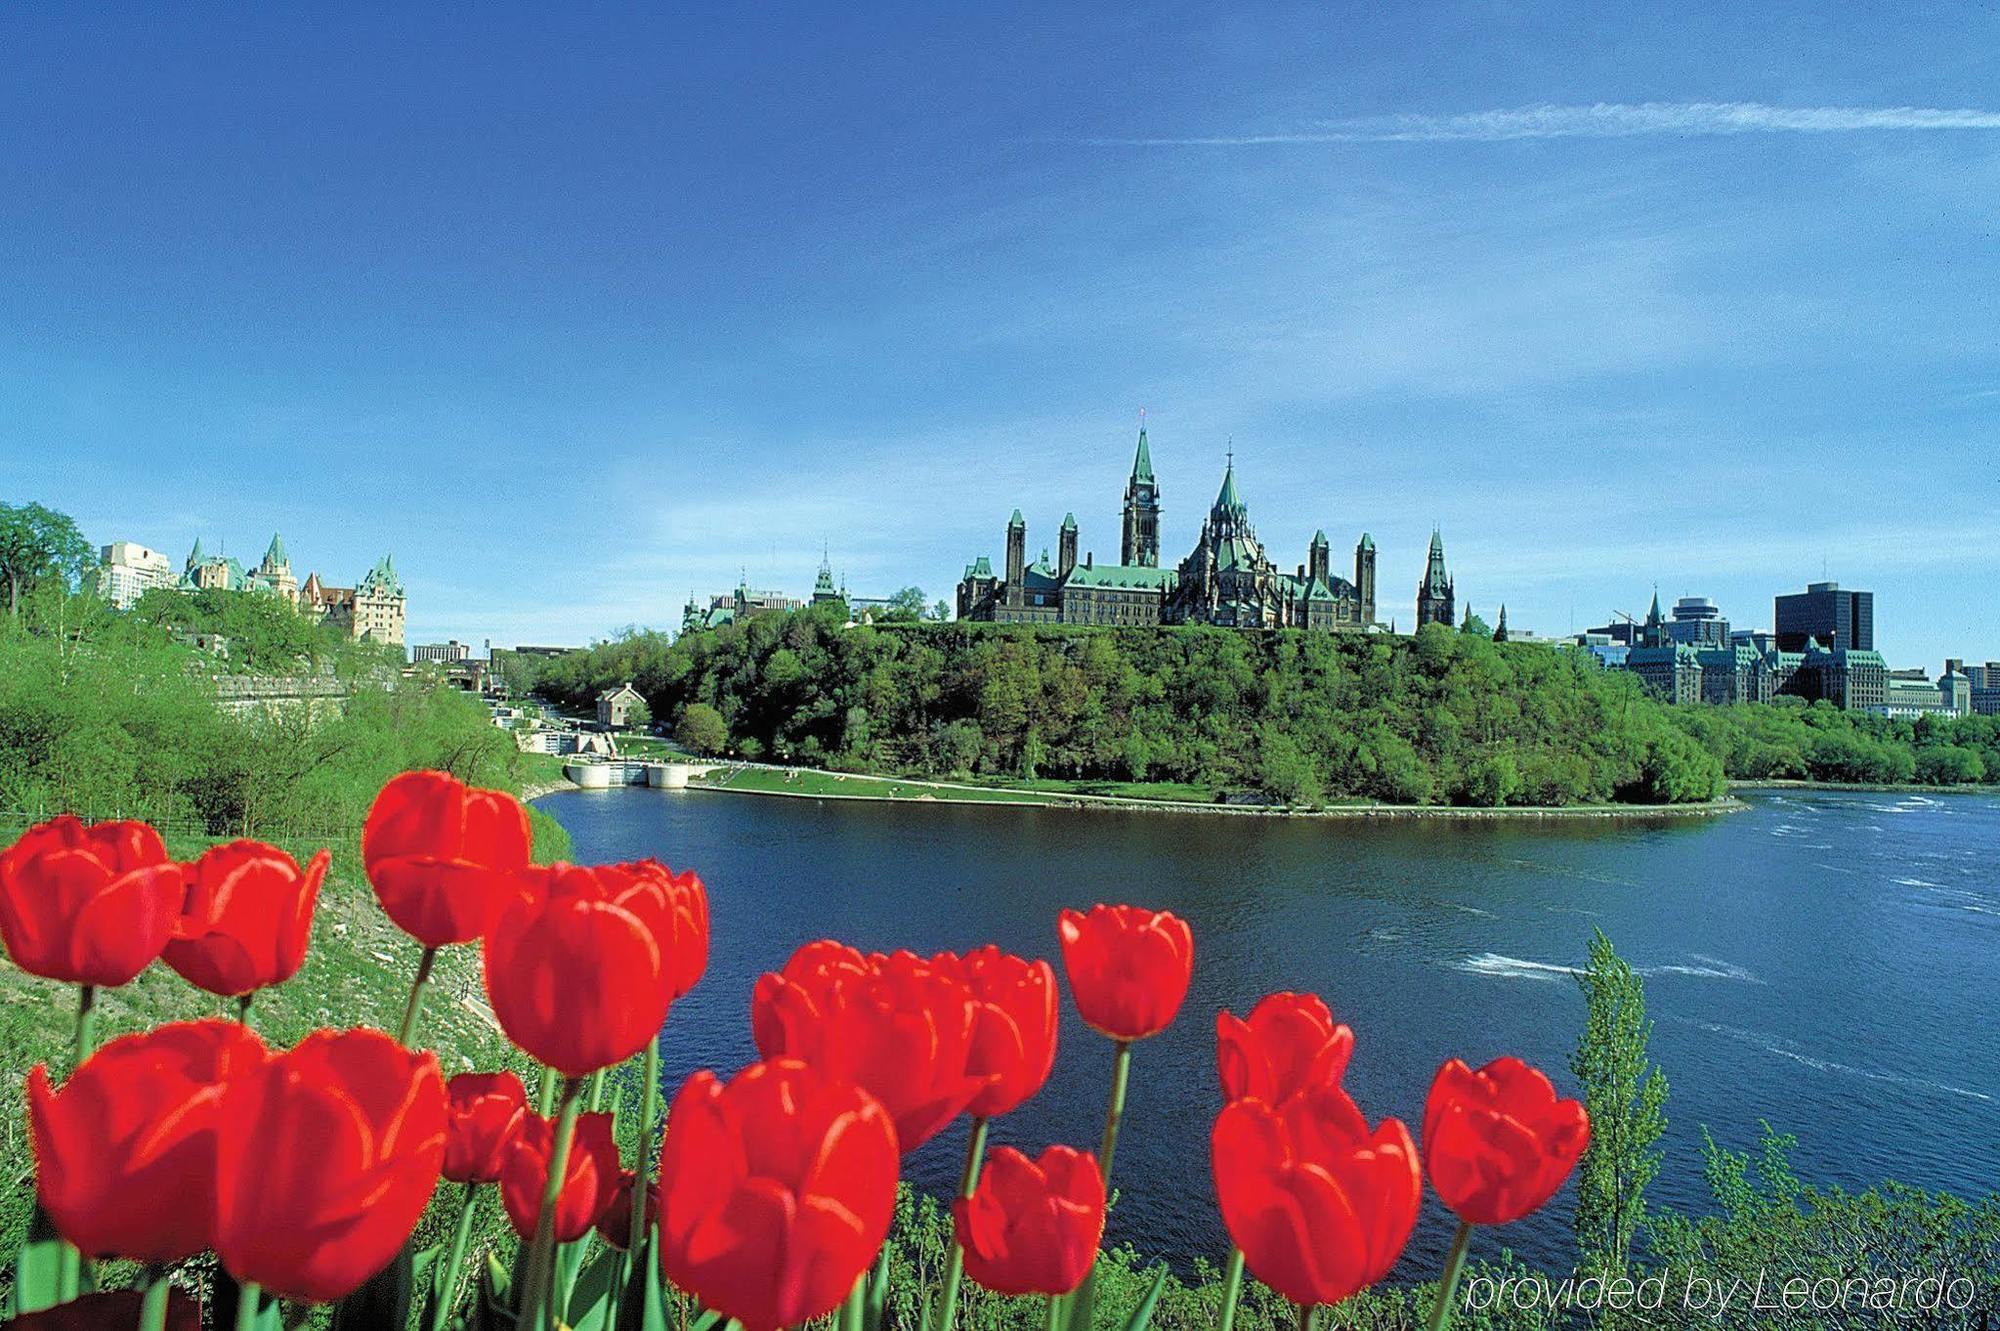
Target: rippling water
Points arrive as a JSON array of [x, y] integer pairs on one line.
[[1825, 961]]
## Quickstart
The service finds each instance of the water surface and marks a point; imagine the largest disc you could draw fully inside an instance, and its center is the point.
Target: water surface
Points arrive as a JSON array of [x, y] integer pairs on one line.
[[1826, 961]]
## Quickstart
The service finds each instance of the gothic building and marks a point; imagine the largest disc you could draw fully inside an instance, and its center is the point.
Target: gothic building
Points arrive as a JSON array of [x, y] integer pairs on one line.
[[1435, 594], [1226, 580]]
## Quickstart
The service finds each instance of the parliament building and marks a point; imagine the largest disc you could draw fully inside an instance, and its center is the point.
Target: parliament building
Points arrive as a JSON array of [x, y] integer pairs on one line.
[[1226, 580]]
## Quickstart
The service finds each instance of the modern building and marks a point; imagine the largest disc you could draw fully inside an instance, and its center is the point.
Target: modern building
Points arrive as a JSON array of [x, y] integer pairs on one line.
[[1227, 579], [1697, 622], [1985, 688], [1827, 614], [441, 652], [130, 570]]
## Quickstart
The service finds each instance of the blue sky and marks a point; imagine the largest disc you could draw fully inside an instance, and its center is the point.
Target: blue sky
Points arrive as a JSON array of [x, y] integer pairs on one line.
[[575, 312]]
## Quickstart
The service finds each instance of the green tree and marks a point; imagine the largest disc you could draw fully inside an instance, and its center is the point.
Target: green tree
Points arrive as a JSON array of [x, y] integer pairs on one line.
[[1626, 1094], [906, 606], [702, 729], [638, 716], [941, 612], [38, 545]]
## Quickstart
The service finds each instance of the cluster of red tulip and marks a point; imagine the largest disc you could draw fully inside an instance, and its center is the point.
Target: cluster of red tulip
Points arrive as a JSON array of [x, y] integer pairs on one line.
[[306, 1170]]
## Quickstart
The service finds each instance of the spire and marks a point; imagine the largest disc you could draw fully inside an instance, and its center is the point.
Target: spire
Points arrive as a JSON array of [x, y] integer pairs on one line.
[[1227, 500], [1142, 461], [1500, 633], [274, 554], [194, 555], [1017, 520], [1653, 616]]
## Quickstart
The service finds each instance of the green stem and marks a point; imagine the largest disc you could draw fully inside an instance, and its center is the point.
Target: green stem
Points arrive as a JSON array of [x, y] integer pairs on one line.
[[86, 1025], [538, 1285], [248, 1295], [444, 1293], [153, 1309], [545, 1093], [243, 1007], [1232, 1290], [1082, 1310], [1053, 1317], [1114, 1111], [849, 1317], [1309, 1316], [416, 1003], [1454, 1264], [596, 1090], [639, 1233], [954, 1266], [69, 1262]]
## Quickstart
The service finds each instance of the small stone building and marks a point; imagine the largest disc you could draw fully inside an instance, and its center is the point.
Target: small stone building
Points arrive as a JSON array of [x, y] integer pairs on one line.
[[614, 706]]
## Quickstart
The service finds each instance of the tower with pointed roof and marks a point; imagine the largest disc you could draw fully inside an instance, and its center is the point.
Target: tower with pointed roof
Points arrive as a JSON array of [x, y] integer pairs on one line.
[[379, 604], [823, 589], [1139, 544], [1436, 596], [274, 572], [1500, 633], [1066, 546], [1319, 559], [1017, 557], [1364, 579]]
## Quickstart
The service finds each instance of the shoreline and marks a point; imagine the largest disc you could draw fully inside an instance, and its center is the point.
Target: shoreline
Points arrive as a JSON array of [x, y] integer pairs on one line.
[[891, 791], [1869, 787]]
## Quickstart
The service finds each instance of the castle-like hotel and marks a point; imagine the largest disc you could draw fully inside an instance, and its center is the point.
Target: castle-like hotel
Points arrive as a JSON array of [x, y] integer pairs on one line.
[[373, 609], [1226, 580]]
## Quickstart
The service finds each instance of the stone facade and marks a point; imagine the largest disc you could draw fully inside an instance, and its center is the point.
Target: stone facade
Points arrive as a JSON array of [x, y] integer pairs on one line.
[[1437, 596], [1226, 580]]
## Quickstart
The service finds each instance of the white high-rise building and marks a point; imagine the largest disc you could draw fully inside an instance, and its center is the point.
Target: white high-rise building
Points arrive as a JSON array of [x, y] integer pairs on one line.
[[130, 571]]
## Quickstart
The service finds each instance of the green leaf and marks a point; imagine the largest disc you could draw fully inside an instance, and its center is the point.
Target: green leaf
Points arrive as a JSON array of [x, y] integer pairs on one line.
[[383, 1299], [38, 1266], [875, 1298], [590, 1302], [1142, 1316], [492, 1310]]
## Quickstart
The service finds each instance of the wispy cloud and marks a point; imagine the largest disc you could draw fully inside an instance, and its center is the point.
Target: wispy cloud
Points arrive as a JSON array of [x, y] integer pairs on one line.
[[1604, 120]]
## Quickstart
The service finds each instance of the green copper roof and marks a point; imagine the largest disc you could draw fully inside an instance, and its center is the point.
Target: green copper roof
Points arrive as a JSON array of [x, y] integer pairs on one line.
[[1120, 575], [1319, 537], [382, 579], [1069, 522], [981, 567], [274, 554], [1367, 541], [1142, 464], [194, 555], [1228, 499], [1017, 520]]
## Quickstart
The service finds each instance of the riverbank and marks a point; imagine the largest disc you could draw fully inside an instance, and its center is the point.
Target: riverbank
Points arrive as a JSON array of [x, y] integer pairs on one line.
[[817, 783], [1871, 787]]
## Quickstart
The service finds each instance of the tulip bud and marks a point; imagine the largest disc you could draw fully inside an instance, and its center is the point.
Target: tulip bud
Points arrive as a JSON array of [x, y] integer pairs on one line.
[[442, 855], [247, 918], [1499, 1142], [88, 905], [1032, 1226], [1128, 967]]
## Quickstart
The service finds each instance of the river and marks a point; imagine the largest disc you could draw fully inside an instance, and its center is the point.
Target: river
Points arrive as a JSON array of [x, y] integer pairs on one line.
[[1827, 961]]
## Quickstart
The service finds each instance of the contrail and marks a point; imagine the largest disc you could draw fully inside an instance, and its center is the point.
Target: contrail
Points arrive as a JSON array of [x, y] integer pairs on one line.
[[1604, 120]]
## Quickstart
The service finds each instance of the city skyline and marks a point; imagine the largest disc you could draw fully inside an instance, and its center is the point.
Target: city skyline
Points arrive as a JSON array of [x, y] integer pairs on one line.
[[575, 313]]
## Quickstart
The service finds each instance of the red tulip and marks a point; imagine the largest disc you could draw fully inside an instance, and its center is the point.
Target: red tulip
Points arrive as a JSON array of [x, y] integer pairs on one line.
[[88, 905], [247, 918], [442, 855], [117, 1311], [1032, 1226], [615, 1224], [1320, 1206], [581, 970], [482, 1111], [1128, 967], [899, 1027], [588, 1184], [325, 1160], [125, 1151], [1499, 1142], [778, 1191], [1014, 1038], [1290, 1042]]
